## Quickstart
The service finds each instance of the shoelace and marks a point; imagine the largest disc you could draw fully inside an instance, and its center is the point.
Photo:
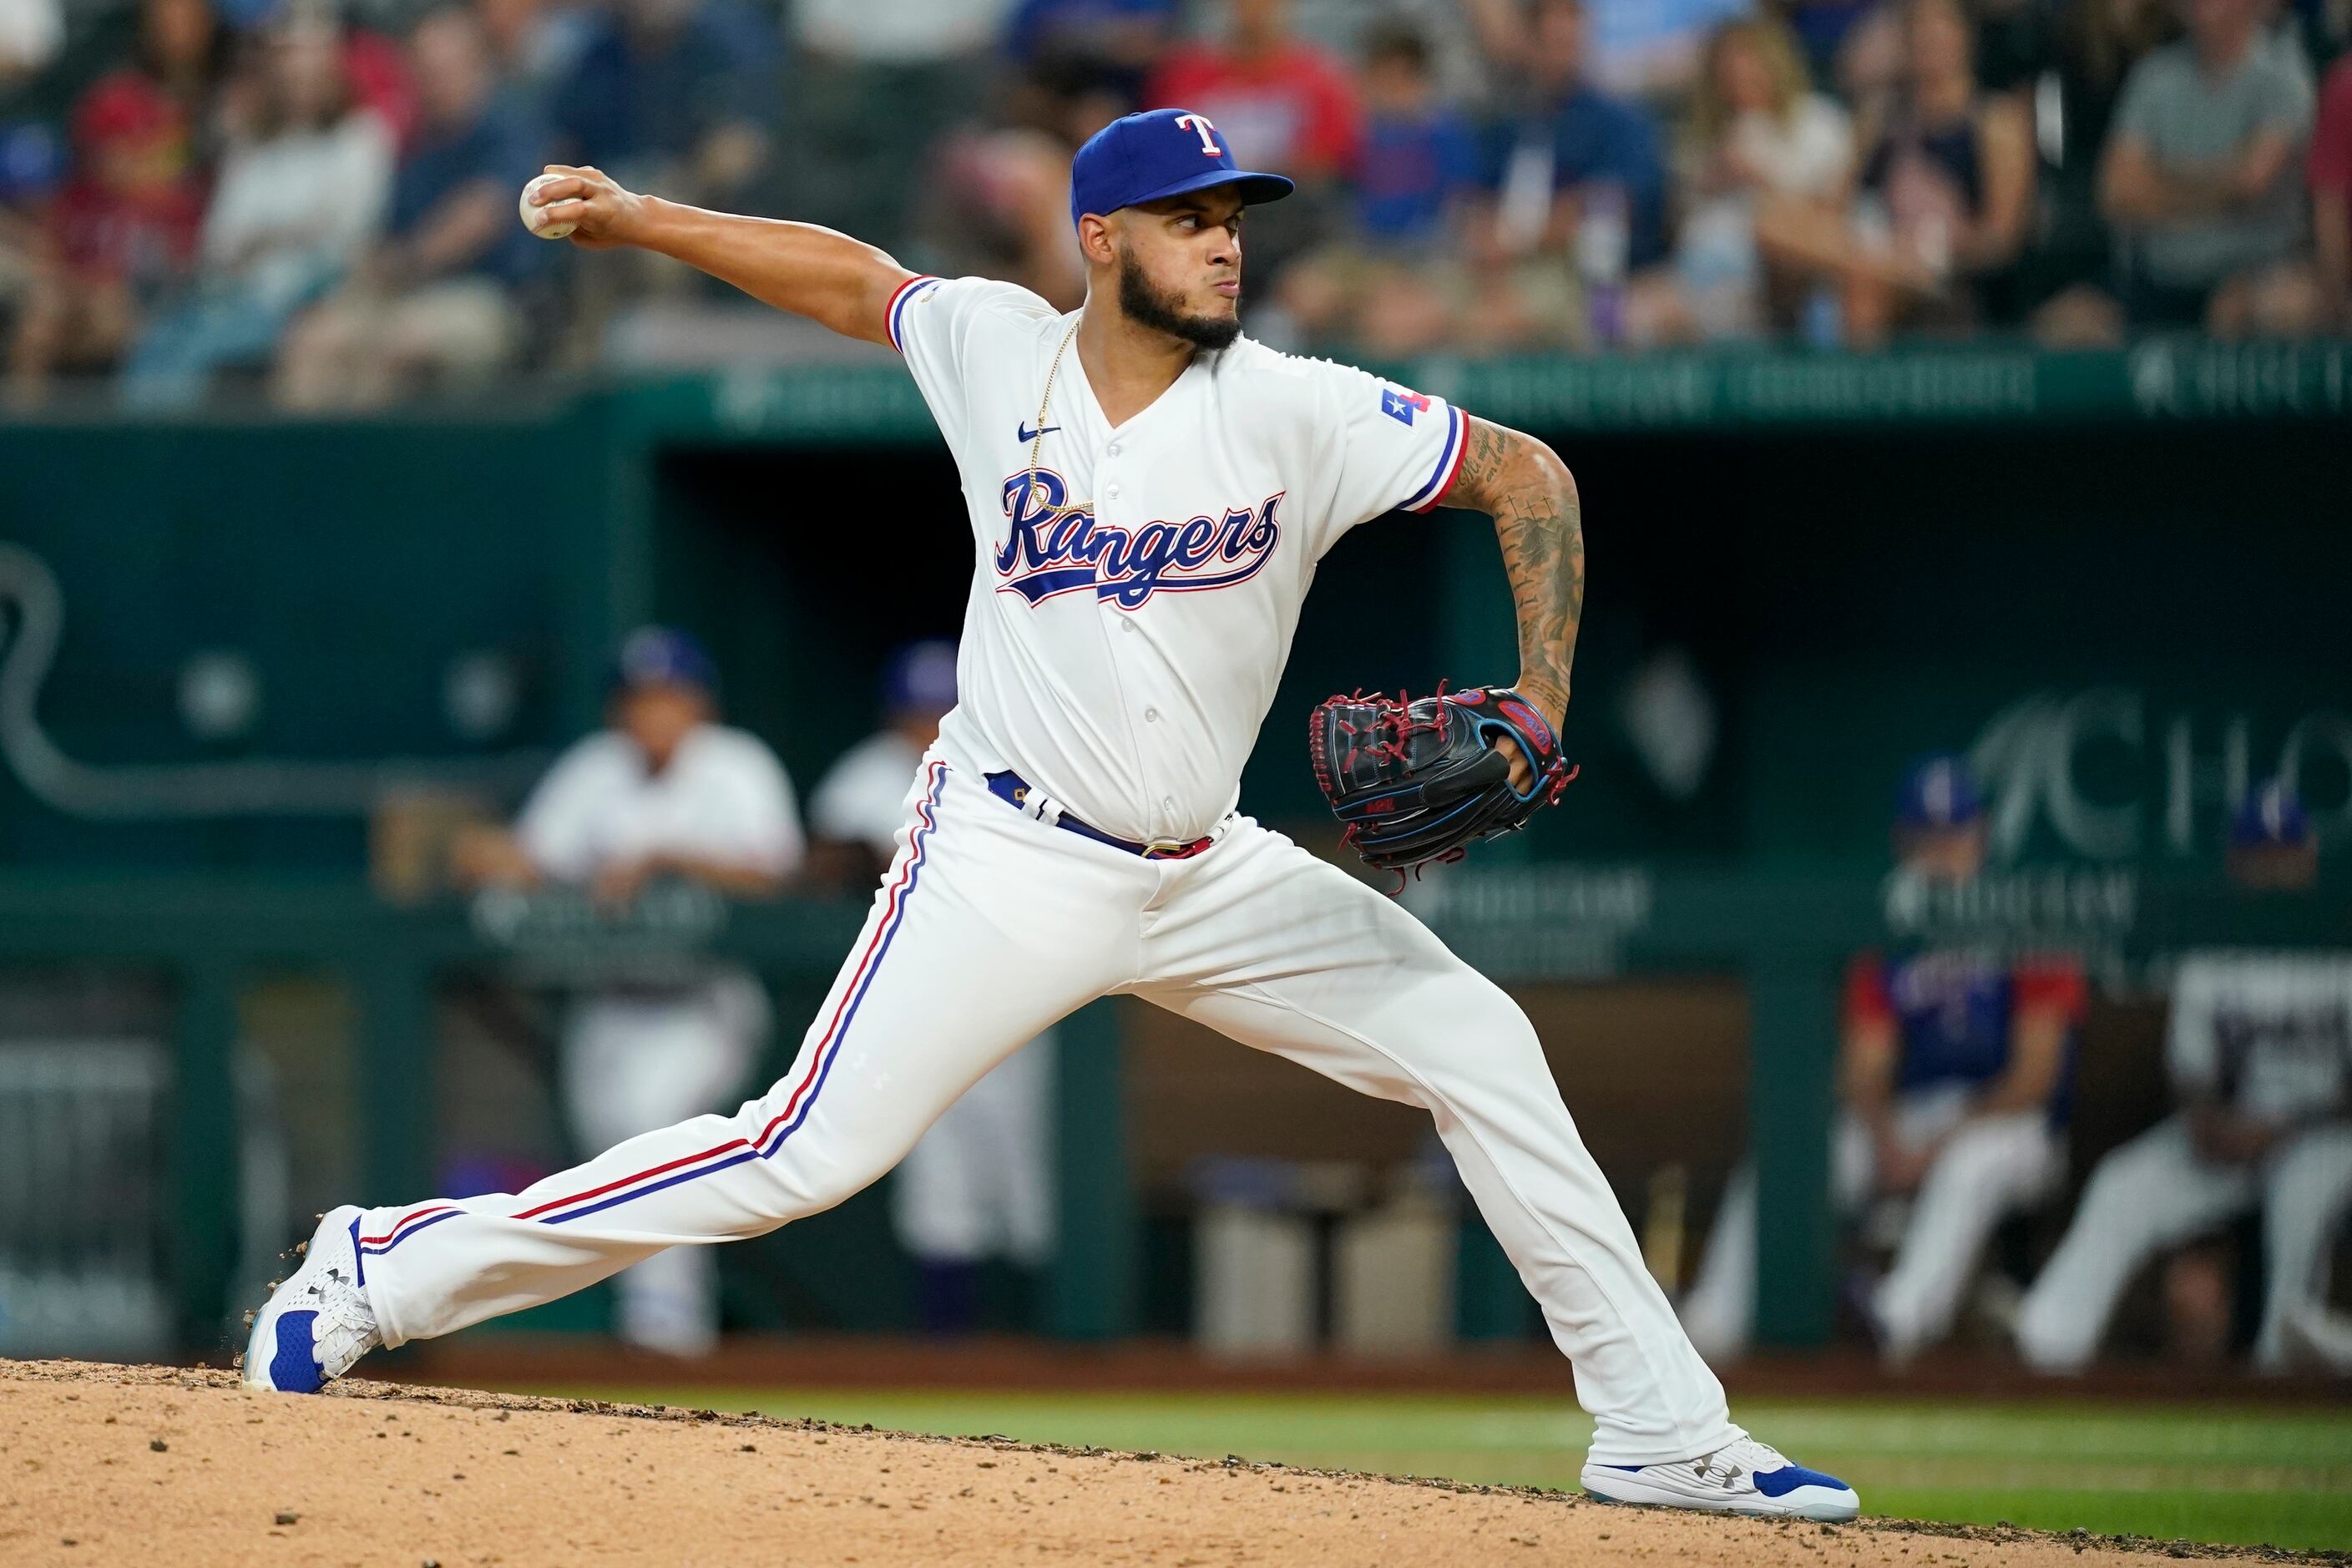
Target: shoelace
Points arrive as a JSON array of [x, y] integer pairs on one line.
[[346, 1328]]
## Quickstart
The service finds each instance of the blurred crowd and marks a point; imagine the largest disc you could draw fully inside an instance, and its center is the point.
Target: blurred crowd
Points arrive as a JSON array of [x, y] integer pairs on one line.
[[314, 199]]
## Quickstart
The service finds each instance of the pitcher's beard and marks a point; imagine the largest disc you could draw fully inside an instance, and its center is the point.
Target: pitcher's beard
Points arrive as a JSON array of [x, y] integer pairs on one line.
[[1166, 312]]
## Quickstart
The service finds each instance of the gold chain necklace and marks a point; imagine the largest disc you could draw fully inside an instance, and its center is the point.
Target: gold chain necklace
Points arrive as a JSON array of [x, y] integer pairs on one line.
[[1037, 443]]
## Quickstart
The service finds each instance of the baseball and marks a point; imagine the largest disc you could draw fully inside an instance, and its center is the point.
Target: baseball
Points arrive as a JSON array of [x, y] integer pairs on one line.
[[532, 214]]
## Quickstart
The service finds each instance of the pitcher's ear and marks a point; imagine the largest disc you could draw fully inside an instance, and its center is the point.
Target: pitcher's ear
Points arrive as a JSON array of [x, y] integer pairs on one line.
[[1098, 239]]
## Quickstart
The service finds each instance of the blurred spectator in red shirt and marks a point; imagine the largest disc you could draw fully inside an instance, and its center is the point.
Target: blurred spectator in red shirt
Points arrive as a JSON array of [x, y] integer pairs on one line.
[[302, 191], [1278, 102], [1387, 287], [2331, 196], [124, 227], [377, 68]]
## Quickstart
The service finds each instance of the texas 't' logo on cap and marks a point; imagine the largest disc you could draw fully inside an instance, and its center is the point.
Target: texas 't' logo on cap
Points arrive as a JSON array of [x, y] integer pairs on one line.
[[1147, 157]]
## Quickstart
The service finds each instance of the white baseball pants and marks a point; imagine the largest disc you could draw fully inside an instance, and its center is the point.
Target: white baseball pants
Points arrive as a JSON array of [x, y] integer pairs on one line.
[[980, 1183], [990, 925], [1987, 1168], [2157, 1192], [632, 1064]]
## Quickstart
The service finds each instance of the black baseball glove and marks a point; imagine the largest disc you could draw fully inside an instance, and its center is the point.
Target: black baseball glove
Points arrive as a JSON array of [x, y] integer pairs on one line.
[[1420, 781]]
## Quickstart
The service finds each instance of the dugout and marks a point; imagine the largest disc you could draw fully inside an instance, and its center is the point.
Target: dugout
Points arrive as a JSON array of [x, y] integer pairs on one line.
[[2118, 575]]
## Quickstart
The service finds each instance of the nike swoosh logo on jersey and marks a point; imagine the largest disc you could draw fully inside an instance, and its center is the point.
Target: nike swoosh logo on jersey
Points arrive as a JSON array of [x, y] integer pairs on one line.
[[1029, 435]]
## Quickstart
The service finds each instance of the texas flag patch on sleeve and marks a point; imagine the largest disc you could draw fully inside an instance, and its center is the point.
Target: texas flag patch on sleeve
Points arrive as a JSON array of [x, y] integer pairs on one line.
[[1401, 405]]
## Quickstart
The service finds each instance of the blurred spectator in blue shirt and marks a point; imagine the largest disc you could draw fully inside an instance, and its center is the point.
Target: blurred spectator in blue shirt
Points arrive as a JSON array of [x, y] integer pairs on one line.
[[538, 45], [1575, 194], [1384, 286], [1126, 36], [434, 302], [1419, 155], [1569, 140], [675, 96], [31, 161]]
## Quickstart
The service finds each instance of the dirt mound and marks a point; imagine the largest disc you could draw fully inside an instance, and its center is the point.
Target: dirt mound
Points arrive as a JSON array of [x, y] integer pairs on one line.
[[107, 1464]]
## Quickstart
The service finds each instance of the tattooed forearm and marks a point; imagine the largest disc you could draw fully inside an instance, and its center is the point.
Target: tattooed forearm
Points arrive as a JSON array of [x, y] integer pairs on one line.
[[1531, 496]]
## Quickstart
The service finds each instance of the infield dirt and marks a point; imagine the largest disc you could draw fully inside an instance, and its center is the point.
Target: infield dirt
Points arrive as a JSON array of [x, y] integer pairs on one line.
[[157, 1465]]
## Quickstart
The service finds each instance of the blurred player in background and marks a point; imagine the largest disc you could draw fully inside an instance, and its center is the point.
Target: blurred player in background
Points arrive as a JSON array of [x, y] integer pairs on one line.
[[1955, 1083], [2261, 1054], [979, 1184], [663, 791]]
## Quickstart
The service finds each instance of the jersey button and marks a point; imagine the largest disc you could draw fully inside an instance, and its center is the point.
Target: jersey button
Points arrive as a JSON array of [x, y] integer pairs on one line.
[[1112, 448], [1151, 715], [1112, 492]]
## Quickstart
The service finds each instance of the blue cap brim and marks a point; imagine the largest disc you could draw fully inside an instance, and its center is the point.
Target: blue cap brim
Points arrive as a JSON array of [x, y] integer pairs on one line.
[[1256, 188]]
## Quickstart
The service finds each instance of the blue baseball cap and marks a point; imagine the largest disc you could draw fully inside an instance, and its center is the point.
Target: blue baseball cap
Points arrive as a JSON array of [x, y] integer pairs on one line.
[[2269, 817], [653, 657], [1938, 792], [1140, 158], [921, 678]]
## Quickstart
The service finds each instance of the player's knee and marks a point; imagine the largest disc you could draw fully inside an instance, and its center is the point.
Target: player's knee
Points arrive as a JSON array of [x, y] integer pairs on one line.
[[2109, 1189], [1506, 1044], [1975, 1152]]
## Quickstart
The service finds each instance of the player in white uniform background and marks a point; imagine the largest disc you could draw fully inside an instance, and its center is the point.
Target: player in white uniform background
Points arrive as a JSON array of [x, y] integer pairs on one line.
[[1148, 494], [979, 1184], [663, 791], [2260, 1049]]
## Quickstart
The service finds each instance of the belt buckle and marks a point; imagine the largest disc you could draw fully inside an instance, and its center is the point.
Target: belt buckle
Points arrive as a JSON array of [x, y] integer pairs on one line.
[[1166, 850]]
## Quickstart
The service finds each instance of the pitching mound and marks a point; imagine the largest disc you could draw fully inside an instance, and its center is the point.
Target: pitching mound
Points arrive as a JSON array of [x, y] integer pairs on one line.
[[107, 1464]]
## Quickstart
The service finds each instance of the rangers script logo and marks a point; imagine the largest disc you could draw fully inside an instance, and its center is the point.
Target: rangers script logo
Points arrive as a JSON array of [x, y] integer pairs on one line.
[[1053, 547]]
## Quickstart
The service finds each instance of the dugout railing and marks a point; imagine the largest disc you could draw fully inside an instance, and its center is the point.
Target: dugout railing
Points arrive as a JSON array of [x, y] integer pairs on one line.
[[1785, 937]]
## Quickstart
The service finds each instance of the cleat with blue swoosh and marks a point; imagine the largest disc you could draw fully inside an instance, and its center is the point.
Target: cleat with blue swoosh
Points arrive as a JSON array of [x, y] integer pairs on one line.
[[318, 1323], [1744, 1478]]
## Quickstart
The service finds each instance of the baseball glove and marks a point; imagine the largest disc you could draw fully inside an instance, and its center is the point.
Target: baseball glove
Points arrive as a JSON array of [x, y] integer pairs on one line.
[[1413, 782]]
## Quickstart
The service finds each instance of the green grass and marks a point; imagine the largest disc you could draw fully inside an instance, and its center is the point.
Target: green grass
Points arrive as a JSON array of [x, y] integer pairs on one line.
[[2206, 1473]]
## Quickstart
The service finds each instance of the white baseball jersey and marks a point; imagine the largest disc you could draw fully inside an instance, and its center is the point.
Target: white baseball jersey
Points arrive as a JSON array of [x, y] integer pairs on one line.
[[1132, 605], [2270, 1033], [723, 797]]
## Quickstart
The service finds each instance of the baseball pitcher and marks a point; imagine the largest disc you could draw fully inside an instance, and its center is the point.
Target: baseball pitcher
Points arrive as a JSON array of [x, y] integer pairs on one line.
[[1150, 492]]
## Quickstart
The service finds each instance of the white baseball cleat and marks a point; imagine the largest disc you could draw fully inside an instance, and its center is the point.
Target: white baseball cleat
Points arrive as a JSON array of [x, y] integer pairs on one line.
[[1743, 1478], [318, 1323]]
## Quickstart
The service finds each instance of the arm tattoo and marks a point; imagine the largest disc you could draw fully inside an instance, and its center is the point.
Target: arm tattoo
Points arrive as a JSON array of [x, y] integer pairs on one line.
[[1532, 498]]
